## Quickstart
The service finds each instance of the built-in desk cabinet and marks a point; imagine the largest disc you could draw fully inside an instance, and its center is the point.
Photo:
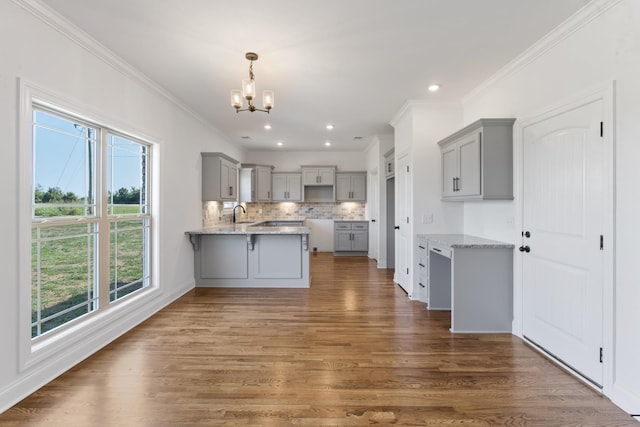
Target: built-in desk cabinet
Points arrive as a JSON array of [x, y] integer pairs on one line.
[[471, 276], [421, 288], [477, 162], [219, 177]]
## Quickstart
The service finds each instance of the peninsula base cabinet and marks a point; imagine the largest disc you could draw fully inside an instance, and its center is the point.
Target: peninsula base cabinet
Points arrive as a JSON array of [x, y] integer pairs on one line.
[[252, 261], [351, 238]]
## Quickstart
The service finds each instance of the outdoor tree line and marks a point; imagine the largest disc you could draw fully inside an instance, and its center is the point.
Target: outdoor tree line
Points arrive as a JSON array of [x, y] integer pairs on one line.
[[123, 196]]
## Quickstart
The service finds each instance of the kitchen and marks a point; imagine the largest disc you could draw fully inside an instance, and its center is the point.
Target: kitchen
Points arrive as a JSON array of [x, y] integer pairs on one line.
[[549, 75]]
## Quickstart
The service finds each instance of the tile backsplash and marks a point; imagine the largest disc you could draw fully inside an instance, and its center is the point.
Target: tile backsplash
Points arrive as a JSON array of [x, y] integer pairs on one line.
[[213, 213]]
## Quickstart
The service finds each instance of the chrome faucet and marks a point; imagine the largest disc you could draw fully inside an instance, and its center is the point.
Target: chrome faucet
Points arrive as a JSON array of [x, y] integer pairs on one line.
[[234, 212]]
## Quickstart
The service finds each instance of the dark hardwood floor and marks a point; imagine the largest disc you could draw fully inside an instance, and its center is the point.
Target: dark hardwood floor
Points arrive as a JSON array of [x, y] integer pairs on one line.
[[351, 350]]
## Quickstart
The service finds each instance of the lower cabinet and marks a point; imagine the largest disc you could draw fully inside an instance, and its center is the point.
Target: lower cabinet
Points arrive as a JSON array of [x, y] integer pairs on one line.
[[351, 238], [421, 288], [269, 260]]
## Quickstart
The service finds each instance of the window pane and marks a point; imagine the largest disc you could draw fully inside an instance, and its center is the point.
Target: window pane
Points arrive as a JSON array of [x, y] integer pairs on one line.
[[63, 166], [128, 264], [126, 176], [63, 275]]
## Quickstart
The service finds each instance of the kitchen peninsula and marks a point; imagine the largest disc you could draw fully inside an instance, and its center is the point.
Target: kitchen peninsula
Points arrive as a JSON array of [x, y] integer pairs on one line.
[[252, 255]]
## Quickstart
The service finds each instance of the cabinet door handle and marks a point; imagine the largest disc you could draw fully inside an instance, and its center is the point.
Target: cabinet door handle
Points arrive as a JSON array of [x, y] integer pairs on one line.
[[453, 185], [268, 194], [421, 265], [421, 285], [397, 227], [230, 191], [436, 249], [421, 247]]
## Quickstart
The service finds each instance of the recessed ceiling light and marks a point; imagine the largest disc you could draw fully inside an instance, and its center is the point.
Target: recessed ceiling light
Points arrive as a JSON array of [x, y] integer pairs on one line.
[[434, 88], [279, 144], [267, 126], [327, 144], [329, 126]]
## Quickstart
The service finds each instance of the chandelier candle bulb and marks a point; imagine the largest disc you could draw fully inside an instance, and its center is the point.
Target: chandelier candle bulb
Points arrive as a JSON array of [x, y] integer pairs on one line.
[[267, 99], [236, 98], [248, 88]]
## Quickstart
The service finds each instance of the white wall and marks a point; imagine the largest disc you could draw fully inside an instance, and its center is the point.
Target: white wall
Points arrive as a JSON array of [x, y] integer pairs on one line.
[[290, 161], [604, 49], [418, 127], [38, 53]]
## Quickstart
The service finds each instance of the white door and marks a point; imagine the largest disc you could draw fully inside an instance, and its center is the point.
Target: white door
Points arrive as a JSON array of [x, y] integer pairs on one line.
[[373, 214], [403, 224], [563, 212]]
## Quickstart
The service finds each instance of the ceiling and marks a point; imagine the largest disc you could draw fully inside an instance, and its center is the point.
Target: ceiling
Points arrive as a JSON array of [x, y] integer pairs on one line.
[[350, 63]]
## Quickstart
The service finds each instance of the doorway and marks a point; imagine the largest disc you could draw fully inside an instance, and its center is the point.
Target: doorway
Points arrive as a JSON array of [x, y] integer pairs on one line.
[[565, 186], [391, 221]]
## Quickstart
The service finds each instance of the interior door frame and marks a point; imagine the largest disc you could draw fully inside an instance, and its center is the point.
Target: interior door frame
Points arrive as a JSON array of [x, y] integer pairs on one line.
[[606, 93]]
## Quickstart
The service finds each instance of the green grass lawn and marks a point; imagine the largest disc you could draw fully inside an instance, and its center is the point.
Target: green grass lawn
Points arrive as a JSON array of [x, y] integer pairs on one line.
[[66, 268]]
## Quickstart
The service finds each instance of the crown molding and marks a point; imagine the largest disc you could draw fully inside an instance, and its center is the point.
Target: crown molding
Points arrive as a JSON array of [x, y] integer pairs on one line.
[[413, 103], [563, 31], [74, 33]]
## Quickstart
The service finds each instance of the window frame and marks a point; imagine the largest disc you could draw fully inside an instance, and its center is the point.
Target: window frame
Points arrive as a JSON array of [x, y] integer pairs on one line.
[[77, 334]]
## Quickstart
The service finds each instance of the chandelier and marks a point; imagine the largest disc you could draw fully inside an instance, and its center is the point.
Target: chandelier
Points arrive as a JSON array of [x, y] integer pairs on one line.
[[248, 91]]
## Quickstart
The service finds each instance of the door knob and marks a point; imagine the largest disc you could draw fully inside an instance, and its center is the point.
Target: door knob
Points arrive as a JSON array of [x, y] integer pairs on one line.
[[524, 249], [397, 227]]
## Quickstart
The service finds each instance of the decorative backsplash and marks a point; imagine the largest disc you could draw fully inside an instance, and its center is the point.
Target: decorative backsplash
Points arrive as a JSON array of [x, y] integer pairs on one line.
[[213, 213]]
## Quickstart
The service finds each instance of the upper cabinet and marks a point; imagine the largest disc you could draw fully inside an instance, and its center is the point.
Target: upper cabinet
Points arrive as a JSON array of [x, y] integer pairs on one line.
[[477, 162], [255, 183], [389, 164], [351, 186], [219, 177], [318, 175], [287, 187]]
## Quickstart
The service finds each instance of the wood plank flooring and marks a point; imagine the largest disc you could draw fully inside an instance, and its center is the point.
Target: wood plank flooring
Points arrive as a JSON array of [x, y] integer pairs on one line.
[[352, 350]]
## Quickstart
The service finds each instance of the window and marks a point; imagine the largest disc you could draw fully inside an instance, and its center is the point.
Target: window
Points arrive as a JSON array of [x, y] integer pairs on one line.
[[91, 219]]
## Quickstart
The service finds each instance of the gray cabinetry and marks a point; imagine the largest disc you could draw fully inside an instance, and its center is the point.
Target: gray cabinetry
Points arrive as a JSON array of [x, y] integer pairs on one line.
[[477, 162], [351, 186], [421, 290], [287, 187], [472, 277], [389, 164], [351, 237], [318, 175], [219, 177], [255, 183]]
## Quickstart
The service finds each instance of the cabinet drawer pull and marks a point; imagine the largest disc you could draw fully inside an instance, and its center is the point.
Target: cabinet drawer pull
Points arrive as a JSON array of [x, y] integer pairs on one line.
[[436, 249], [421, 247], [421, 265], [421, 285]]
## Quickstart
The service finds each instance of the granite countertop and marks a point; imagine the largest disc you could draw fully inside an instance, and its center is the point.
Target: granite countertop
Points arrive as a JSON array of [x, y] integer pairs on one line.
[[465, 241], [250, 228]]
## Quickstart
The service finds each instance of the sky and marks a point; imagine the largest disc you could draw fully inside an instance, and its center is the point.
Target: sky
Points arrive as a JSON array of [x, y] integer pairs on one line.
[[61, 149]]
